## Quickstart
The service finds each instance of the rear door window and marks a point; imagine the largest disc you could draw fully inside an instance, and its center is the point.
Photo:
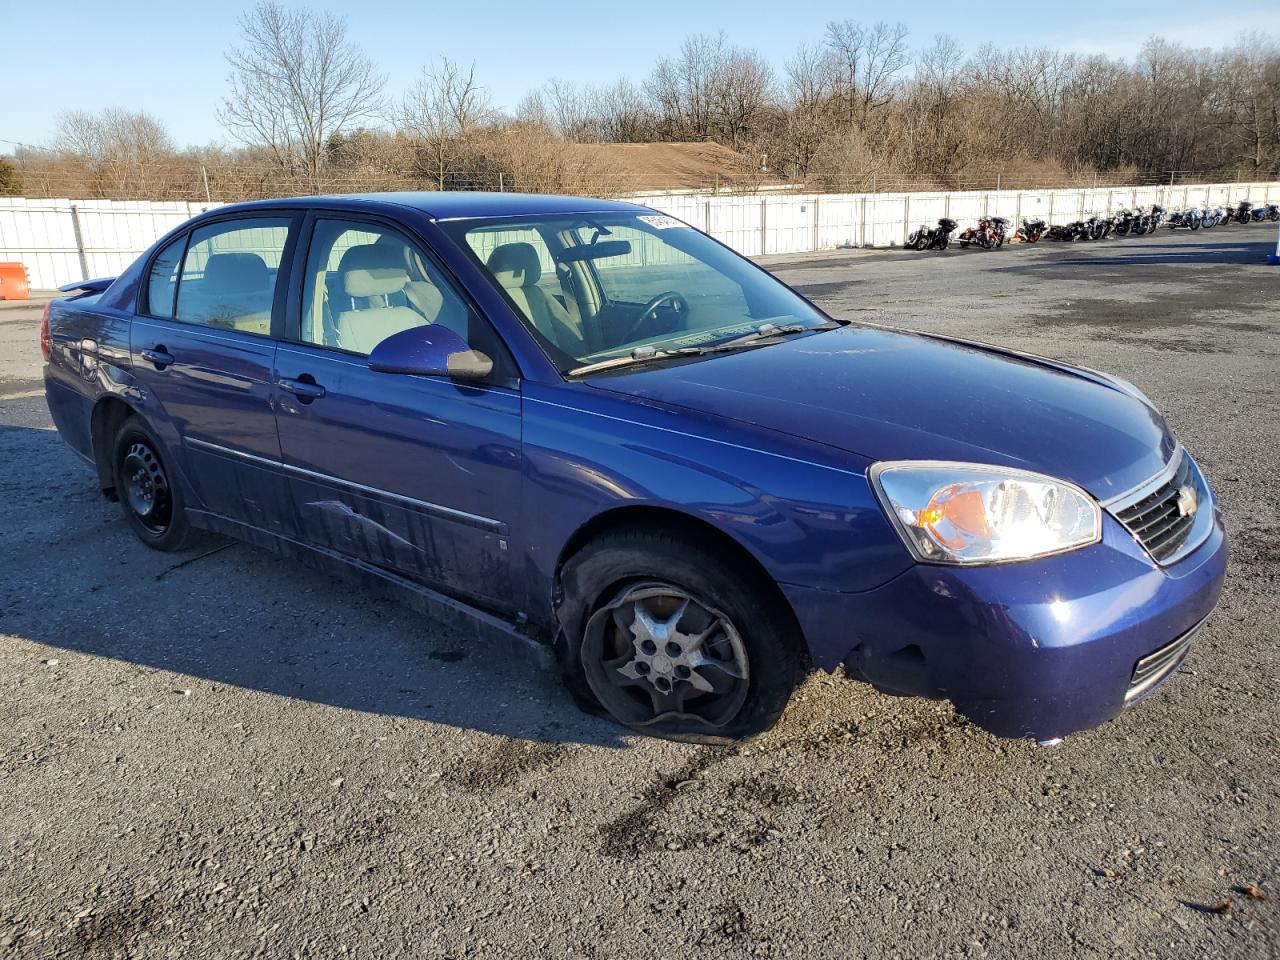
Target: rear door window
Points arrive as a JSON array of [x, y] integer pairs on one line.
[[228, 277]]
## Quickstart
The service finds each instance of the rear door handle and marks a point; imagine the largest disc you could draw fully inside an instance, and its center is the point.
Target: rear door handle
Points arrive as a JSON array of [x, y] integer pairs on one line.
[[305, 390], [159, 356]]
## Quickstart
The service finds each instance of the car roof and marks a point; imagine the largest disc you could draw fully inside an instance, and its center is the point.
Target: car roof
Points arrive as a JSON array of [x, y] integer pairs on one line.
[[449, 205]]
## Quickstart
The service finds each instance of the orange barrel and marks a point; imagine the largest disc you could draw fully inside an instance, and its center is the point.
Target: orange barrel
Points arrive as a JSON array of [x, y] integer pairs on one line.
[[13, 282]]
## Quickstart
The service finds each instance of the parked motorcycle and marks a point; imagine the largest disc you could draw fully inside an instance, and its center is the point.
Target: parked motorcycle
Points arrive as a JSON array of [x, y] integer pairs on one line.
[[1212, 218], [1031, 230], [1097, 228], [1125, 222], [1242, 212], [938, 238], [1266, 211], [988, 234], [1146, 220], [1191, 219], [1067, 232]]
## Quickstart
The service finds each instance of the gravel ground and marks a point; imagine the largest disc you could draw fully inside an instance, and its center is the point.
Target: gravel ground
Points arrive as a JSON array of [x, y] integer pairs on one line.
[[221, 754]]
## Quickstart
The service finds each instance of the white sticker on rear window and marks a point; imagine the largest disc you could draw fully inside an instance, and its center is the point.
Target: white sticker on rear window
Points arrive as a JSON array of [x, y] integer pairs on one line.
[[661, 222]]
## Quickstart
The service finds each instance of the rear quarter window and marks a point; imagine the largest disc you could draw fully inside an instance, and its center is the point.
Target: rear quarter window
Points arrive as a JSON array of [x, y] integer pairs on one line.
[[162, 282]]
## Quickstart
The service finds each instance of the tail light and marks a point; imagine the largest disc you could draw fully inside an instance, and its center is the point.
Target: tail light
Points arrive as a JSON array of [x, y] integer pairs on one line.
[[45, 344]]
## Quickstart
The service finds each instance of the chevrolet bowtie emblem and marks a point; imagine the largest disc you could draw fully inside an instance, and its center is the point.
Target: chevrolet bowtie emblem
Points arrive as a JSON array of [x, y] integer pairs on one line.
[[1187, 501]]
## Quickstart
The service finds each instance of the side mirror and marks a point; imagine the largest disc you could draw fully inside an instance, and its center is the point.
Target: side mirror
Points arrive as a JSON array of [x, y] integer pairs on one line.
[[431, 350]]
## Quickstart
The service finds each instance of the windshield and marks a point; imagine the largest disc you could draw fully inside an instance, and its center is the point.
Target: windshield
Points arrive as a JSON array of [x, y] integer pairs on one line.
[[603, 286]]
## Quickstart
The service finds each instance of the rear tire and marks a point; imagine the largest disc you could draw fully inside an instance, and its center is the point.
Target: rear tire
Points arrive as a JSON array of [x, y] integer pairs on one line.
[[151, 501], [719, 668]]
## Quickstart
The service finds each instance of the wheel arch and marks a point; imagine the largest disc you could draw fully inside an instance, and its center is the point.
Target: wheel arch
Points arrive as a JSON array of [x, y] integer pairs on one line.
[[108, 413], [649, 517]]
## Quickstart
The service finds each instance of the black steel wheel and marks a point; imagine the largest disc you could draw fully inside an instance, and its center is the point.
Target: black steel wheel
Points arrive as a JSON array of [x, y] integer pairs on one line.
[[667, 637], [151, 503], [146, 488]]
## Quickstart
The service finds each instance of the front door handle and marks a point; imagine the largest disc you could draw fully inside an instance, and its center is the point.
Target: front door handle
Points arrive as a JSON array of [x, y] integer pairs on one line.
[[304, 387], [159, 356]]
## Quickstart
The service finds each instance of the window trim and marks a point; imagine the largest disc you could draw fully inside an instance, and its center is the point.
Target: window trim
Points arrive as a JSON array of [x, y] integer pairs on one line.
[[294, 217], [292, 330]]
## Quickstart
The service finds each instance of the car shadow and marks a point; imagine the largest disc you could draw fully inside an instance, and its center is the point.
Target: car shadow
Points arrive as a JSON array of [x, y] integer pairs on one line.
[[1138, 254], [235, 616]]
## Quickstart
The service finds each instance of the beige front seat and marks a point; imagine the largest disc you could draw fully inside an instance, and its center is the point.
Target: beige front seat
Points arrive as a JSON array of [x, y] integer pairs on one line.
[[515, 266], [236, 293], [373, 271]]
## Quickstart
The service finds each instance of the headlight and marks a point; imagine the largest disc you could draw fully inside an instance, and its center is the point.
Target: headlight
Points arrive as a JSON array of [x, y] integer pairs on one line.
[[967, 513]]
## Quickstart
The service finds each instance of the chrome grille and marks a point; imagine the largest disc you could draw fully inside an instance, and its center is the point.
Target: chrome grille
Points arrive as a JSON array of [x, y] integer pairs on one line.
[[1157, 521], [1154, 667]]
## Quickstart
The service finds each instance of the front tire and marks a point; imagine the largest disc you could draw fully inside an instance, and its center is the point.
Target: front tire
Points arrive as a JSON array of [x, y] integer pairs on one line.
[[150, 500], [673, 642]]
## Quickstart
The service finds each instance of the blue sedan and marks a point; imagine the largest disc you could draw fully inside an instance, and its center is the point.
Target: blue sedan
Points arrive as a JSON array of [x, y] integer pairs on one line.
[[592, 423]]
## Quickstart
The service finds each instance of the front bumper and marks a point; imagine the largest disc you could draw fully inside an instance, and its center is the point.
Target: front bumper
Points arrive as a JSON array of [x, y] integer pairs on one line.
[[1038, 649]]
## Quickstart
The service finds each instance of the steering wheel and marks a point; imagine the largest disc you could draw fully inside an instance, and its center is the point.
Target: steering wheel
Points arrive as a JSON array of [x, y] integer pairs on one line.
[[679, 306]]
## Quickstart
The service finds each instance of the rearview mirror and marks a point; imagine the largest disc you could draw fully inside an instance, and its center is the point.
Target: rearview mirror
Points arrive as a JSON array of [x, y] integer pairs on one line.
[[430, 351], [595, 251]]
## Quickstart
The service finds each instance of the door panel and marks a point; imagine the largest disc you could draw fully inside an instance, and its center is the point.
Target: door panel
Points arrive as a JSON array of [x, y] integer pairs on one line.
[[420, 475], [204, 353], [216, 393], [415, 474]]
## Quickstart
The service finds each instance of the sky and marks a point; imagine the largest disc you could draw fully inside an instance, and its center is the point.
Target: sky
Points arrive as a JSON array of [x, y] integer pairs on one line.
[[168, 59]]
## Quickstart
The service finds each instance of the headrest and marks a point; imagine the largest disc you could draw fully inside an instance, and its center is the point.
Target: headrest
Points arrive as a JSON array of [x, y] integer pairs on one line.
[[515, 265], [236, 273], [373, 270]]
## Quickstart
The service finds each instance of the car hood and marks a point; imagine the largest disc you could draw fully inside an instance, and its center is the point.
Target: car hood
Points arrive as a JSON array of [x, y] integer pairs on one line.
[[887, 395]]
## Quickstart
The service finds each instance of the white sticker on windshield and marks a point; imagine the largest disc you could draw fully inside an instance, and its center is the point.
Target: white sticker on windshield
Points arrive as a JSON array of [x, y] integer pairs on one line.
[[661, 222]]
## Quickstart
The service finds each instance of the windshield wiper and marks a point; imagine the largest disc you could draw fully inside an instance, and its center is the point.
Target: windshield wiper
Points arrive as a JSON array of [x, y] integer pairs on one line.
[[769, 331], [762, 335]]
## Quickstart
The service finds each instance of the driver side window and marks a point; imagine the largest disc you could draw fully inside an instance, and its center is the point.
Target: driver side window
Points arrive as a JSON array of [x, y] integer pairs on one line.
[[365, 282]]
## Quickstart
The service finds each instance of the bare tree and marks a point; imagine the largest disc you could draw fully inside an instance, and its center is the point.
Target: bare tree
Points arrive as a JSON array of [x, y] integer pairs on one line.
[[622, 114], [442, 113], [867, 62], [680, 88], [740, 90], [123, 151], [296, 81]]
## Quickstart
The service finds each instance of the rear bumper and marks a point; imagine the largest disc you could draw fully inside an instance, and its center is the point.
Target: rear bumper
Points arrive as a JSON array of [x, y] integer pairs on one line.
[[1038, 649]]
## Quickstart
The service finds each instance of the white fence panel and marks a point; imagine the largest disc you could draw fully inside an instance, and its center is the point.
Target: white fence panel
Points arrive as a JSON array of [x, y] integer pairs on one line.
[[62, 241], [736, 221], [691, 209], [1036, 205], [967, 208], [839, 220], [1005, 203], [789, 224], [886, 224]]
